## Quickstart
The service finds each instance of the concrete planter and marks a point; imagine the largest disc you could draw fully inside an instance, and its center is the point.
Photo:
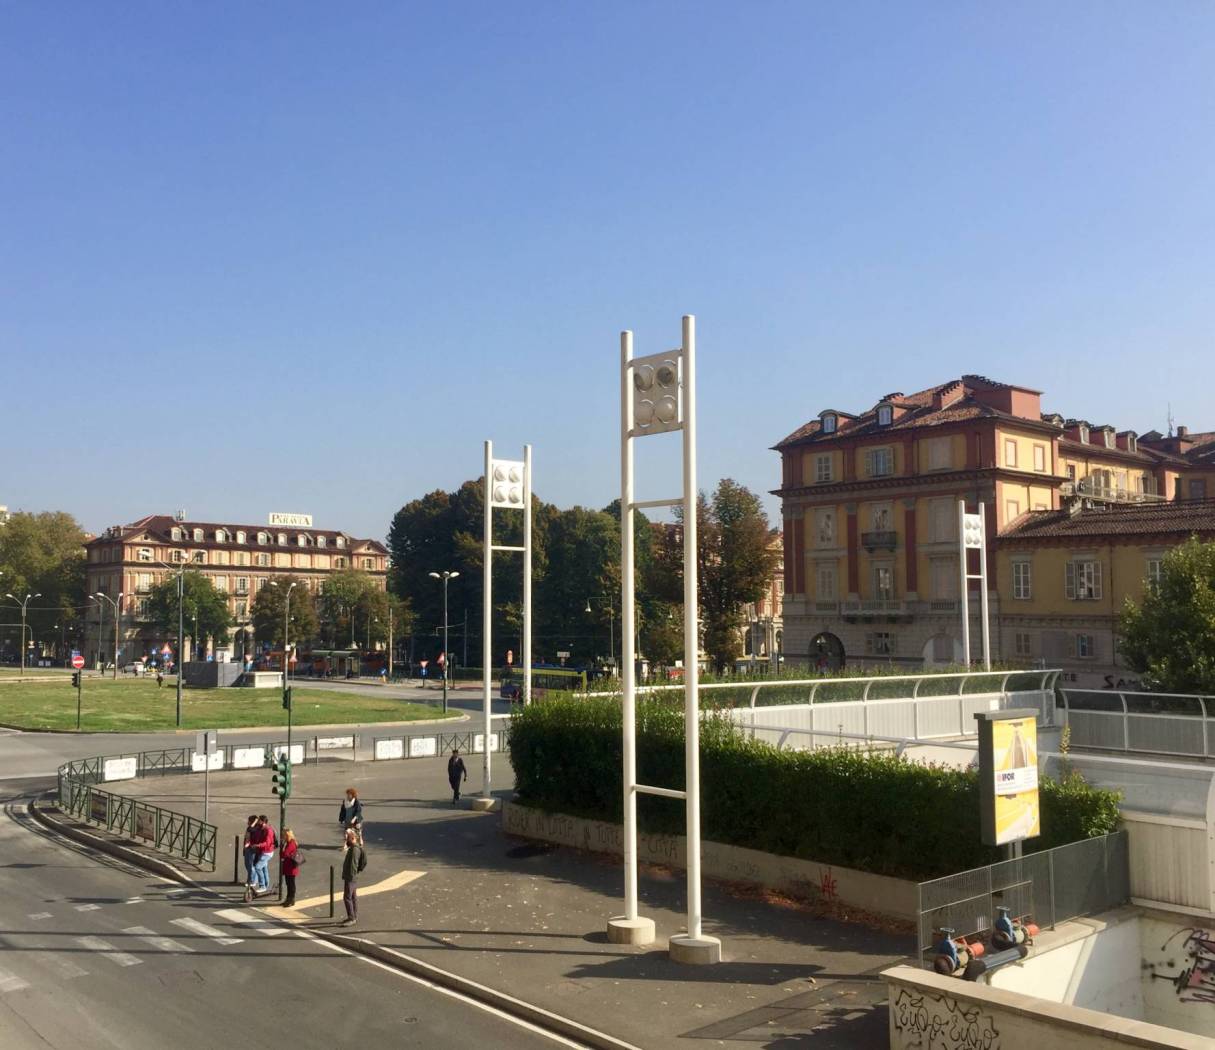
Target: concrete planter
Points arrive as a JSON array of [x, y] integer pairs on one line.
[[879, 894]]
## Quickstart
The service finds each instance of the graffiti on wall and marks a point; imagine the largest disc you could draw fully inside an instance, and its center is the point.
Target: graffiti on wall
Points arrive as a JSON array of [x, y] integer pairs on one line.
[[1195, 983], [939, 1022]]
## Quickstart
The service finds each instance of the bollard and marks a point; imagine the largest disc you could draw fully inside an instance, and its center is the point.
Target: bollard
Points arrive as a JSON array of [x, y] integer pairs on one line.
[[235, 859], [331, 891]]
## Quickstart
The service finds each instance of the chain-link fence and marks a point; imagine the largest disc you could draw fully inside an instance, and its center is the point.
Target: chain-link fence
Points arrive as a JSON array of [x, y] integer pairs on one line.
[[1048, 887]]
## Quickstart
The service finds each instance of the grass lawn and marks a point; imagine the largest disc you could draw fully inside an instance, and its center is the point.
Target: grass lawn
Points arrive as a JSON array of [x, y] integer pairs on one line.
[[138, 705]]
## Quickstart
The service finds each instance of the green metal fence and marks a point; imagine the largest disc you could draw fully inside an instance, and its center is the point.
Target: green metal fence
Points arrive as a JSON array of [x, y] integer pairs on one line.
[[163, 829]]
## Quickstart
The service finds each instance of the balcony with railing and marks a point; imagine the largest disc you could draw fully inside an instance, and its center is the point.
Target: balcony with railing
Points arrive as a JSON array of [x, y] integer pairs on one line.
[[1099, 487], [879, 540], [876, 609]]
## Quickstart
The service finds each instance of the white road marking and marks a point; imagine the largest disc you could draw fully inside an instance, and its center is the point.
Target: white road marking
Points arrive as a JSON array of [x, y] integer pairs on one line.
[[165, 944], [88, 907], [181, 889], [40, 915], [194, 926], [10, 982], [64, 968], [96, 944], [134, 900], [256, 922]]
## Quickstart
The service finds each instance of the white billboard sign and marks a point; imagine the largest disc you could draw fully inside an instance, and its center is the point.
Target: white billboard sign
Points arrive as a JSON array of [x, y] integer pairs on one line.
[[423, 747], [120, 768], [390, 749], [298, 521]]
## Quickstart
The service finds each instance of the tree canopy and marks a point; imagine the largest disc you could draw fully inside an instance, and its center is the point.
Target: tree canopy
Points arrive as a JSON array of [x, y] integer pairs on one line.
[[201, 603], [42, 554], [268, 608], [1169, 636]]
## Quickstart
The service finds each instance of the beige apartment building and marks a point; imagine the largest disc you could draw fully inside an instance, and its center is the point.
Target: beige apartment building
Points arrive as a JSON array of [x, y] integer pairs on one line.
[[238, 559]]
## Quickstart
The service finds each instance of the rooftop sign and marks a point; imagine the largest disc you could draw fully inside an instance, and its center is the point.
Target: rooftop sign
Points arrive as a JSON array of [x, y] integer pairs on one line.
[[300, 521]]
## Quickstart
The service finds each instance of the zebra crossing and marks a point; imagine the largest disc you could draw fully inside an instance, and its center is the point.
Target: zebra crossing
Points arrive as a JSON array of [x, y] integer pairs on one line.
[[124, 946]]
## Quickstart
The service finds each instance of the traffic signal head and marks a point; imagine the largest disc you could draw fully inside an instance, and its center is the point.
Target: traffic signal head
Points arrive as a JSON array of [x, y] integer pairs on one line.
[[75, 679], [656, 393], [287, 699], [507, 483], [282, 777]]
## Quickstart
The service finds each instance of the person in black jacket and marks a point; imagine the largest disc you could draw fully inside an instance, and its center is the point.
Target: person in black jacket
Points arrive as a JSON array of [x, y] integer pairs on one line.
[[351, 813], [455, 773]]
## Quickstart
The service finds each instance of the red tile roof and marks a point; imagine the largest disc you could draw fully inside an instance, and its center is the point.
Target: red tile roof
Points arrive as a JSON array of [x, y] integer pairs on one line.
[[1133, 519], [159, 526]]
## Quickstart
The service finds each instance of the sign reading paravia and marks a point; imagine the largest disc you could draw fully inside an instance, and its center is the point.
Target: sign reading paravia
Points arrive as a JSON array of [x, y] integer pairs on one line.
[[297, 521], [1008, 775]]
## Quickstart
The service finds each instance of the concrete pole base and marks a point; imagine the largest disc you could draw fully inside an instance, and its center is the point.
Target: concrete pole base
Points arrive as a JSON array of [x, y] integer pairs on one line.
[[485, 804], [630, 931], [694, 951]]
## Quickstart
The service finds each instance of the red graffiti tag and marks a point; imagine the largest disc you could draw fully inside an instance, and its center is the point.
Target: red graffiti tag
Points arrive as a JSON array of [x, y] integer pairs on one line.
[[826, 884]]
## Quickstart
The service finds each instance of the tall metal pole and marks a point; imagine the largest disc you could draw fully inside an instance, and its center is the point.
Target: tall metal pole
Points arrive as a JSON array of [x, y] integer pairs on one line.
[[628, 631], [691, 632], [964, 583], [181, 632], [487, 582], [23, 607], [390, 636], [446, 577], [983, 588], [100, 630], [527, 578], [117, 619]]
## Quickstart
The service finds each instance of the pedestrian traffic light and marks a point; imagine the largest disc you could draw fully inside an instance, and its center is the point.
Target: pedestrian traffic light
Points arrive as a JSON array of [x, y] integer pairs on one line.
[[282, 777], [287, 699], [656, 397], [75, 679]]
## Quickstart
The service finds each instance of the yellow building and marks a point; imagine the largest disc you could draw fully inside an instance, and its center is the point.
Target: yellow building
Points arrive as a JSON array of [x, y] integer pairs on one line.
[[870, 508], [1064, 575]]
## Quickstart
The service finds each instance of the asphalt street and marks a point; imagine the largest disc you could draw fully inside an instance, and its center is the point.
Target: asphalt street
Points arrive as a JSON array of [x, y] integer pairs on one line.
[[98, 954]]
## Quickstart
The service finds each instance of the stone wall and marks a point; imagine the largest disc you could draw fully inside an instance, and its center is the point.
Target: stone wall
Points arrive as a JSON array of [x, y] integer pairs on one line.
[[879, 894]]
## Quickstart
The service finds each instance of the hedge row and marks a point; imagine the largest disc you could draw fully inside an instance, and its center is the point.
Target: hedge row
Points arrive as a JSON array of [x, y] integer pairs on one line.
[[873, 812]]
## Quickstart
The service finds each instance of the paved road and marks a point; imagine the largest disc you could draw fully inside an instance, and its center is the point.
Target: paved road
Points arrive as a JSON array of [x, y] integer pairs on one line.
[[94, 953]]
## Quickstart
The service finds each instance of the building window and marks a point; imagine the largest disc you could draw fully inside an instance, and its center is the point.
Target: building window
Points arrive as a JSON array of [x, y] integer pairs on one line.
[[942, 519], [1198, 488], [177, 556], [879, 643], [828, 422], [242, 608], [263, 559], [145, 554], [263, 538], [282, 539], [1071, 472], [822, 468], [221, 536], [1109, 439], [824, 580], [825, 528], [1010, 452], [1151, 576], [321, 541], [883, 583], [200, 557], [261, 582], [1012, 510], [1082, 580], [879, 462], [339, 563], [303, 561], [1084, 646], [885, 415], [1023, 643], [940, 453], [1022, 579], [242, 558], [240, 537], [175, 534], [143, 582], [221, 583], [340, 541], [368, 563], [1040, 458], [198, 535], [301, 540], [879, 517], [242, 585], [1132, 442], [141, 608], [1083, 434]]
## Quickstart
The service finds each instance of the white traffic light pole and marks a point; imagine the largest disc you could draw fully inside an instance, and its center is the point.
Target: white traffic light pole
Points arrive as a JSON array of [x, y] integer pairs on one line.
[[508, 485], [658, 395], [972, 535]]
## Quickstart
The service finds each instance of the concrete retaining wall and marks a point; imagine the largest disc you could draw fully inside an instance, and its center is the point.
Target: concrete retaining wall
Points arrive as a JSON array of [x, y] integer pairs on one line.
[[803, 878], [928, 1010]]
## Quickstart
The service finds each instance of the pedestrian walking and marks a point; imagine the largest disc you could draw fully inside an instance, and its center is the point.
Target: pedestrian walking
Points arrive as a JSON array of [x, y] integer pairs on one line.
[[353, 862], [292, 859], [251, 848], [351, 813], [456, 773], [266, 847]]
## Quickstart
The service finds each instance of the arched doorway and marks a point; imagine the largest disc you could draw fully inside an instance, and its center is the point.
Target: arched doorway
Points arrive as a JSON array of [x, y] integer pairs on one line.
[[941, 650], [826, 652]]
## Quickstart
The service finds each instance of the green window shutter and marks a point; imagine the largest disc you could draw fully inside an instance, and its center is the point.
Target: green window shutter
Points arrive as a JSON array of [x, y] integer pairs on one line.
[[1069, 579]]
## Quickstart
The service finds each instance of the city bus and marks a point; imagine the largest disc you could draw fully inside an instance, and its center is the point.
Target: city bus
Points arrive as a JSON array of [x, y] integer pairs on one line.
[[544, 678]]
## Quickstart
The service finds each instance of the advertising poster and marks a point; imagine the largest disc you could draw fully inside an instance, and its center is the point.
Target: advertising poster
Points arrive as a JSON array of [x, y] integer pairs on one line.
[[1008, 776]]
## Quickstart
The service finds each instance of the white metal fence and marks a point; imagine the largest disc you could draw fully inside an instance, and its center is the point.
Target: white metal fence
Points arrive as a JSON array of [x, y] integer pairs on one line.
[[1159, 723]]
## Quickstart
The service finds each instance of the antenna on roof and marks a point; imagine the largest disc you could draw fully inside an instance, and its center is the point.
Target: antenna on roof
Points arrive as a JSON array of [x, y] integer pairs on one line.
[[1170, 419], [181, 516]]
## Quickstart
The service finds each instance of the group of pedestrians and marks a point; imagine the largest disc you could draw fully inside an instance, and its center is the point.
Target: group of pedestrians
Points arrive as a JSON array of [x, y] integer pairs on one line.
[[259, 847]]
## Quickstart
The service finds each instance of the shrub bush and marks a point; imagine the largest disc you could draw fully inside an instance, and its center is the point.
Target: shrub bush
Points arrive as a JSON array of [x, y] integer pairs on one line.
[[874, 812]]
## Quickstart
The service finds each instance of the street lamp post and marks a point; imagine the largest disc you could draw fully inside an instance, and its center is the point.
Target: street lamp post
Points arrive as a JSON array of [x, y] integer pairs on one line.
[[445, 576], [611, 622], [23, 605], [117, 604], [181, 625]]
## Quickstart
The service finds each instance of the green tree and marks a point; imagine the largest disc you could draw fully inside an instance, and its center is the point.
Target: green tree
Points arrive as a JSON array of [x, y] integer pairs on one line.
[[204, 609], [267, 612], [1169, 636], [42, 554], [582, 549]]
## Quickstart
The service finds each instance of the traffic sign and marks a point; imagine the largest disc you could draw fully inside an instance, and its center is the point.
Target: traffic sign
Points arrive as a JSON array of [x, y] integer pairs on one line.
[[77, 661], [165, 650], [510, 657]]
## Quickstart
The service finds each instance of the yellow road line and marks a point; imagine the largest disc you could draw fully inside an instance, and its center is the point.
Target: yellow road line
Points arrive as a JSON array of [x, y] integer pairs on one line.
[[393, 882]]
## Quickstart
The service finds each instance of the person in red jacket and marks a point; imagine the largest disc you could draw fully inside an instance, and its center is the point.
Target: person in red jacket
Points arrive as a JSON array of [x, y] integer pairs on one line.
[[266, 846], [291, 865]]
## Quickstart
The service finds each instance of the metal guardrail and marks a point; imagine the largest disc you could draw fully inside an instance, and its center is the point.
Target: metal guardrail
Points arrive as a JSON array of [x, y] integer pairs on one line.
[[1050, 887], [1158, 723], [163, 829], [431, 745]]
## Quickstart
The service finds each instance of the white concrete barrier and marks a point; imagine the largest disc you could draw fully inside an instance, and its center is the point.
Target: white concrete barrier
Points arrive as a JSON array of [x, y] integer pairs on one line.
[[296, 756], [249, 757], [479, 743], [120, 768], [389, 749], [423, 747], [334, 743], [199, 763]]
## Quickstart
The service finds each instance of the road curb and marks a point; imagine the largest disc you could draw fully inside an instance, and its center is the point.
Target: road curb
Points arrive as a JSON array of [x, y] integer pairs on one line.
[[470, 989]]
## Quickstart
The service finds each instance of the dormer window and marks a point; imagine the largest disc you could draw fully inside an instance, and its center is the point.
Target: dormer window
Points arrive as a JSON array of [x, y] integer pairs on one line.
[[885, 415], [263, 538], [1083, 434], [175, 533], [340, 541], [320, 541], [240, 537], [828, 422], [221, 536], [1132, 442], [1109, 439], [282, 539], [198, 535], [302, 540]]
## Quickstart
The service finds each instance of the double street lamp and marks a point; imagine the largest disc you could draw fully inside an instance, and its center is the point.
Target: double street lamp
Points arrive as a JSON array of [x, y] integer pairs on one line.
[[446, 576], [181, 625], [611, 623], [117, 605], [23, 605]]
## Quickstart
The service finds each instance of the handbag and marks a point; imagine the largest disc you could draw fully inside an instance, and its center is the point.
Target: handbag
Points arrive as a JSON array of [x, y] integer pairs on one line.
[[299, 857]]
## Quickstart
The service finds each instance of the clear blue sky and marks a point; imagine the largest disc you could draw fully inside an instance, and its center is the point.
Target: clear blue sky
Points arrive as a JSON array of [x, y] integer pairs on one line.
[[305, 257]]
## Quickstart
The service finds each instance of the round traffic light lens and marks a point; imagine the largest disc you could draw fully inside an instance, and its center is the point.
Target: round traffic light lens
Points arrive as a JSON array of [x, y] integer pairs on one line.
[[666, 375], [643, 413], [666, 410], [643, 377]]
